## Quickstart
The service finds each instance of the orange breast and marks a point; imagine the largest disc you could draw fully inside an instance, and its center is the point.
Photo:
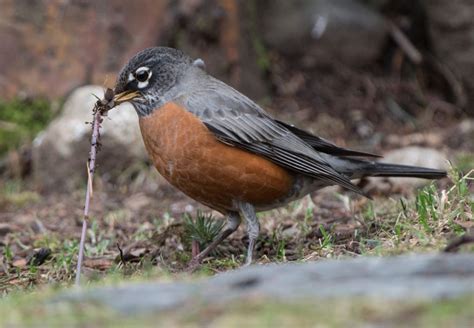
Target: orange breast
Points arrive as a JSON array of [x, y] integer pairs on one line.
[[188, 155]]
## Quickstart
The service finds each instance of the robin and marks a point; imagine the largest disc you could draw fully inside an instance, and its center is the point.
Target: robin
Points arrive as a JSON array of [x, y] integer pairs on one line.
[[223, 150]]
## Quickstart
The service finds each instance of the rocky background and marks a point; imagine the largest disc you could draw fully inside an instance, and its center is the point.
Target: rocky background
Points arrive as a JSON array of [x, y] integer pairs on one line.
[[52, 47]]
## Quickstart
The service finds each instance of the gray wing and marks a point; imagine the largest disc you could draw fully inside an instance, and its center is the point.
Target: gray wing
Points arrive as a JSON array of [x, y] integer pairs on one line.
[[323, 145], [238, 121]]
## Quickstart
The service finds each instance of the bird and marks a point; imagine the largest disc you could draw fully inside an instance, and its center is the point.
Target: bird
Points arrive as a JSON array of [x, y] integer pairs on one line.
[[223, 150]]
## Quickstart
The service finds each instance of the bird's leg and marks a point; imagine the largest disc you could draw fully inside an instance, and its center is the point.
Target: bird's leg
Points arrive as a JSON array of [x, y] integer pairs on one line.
[[253, 228], [233, 222]]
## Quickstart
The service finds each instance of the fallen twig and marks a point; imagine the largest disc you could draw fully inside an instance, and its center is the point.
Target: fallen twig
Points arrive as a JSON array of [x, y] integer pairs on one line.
[[454, 245], [405, 44], [122, 260], [100, 109]]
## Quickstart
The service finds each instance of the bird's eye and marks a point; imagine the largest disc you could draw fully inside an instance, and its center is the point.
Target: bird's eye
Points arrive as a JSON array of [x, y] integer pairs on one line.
[[142, 75]]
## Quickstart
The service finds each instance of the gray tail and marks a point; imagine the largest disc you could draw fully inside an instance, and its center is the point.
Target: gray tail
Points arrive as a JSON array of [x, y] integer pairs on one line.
[[355, 168], [375, 169]]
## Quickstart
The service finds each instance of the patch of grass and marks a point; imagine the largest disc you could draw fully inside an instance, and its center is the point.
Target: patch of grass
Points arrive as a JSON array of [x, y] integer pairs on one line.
[[20, 199], [21, 120], [13, 194], [219, 265], [426, 223], [326, 241], [204, 229], [98, 242]]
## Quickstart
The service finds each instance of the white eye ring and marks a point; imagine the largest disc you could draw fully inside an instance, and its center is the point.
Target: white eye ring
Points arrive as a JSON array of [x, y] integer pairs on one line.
[[140, 70], [142, 85]]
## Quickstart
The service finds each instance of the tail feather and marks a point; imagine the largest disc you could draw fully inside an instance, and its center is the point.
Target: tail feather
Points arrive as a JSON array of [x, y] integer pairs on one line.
[[376, 169], [355, 168]]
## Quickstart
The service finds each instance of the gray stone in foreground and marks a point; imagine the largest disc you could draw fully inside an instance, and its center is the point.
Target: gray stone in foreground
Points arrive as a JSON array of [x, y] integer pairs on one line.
[[405, 278]]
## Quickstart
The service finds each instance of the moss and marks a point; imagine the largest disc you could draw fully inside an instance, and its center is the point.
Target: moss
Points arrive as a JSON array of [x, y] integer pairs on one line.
[[21, 120]]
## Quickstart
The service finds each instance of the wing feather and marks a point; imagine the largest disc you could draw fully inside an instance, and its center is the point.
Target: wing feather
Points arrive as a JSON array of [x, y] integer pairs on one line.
[[323, 145], [237, 121]]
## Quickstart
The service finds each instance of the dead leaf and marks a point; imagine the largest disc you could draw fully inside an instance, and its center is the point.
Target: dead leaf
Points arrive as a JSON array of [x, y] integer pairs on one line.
[[98, 264], [139, 252], [20, 263], [15, 282]]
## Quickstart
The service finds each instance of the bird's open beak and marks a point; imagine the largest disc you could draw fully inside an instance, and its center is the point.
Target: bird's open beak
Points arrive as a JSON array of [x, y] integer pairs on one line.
[[125, 96]]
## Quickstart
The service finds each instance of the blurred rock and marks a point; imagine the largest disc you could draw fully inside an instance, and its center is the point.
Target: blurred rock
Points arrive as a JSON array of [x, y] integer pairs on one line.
[[430, 139], [406, 279], [416, 156], [55, 46], [460, 136], [451, 25], [343, 30], [5, 228], [61, 151]]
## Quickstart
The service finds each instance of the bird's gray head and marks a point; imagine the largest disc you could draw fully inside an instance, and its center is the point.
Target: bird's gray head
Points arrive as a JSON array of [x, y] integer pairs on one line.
[[147, 78]]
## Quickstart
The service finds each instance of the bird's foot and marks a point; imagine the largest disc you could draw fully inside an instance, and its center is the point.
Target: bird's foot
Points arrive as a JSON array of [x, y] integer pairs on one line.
[[250, 249], [253, 229]]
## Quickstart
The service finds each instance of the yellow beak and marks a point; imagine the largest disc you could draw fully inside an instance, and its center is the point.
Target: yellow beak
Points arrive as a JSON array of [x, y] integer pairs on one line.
[[125, 96]]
